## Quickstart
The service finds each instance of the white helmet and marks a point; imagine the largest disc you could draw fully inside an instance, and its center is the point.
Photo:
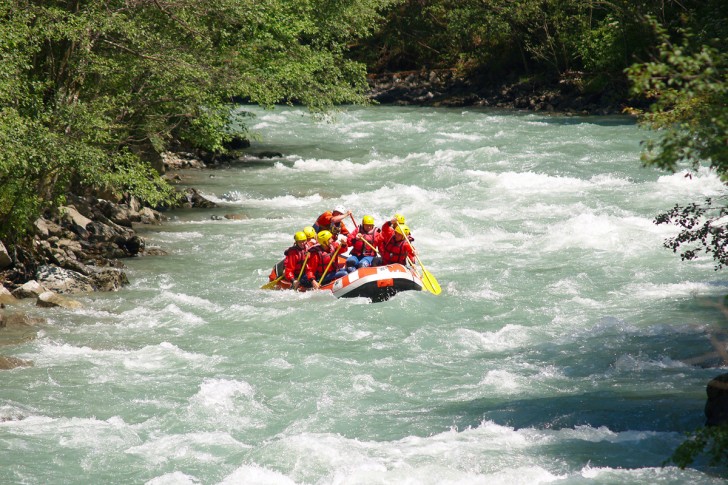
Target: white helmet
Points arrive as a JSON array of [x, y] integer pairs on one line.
[[340, 209]]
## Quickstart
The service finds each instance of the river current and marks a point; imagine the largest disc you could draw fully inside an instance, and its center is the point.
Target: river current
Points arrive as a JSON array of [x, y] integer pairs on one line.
[[562, 349]]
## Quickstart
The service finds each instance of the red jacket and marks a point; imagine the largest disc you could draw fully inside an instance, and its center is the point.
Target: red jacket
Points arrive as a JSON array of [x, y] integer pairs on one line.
[[324, 223], [358, 247], [388, 232], [319, 259], [393, 251], [293, 262]]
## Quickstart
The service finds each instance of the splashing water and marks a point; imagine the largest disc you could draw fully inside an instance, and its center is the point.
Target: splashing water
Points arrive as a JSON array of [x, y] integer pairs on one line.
[[556, 352]]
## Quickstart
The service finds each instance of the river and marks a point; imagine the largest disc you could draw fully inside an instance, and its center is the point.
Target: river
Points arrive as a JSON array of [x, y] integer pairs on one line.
[[558, 351]]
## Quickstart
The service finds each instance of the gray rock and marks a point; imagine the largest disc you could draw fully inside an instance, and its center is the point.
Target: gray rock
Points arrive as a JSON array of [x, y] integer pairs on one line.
[[5, 259], [63, 280], [13, 362], [75, 220], [46, 228], [30, 289], [149, 216], [716, 407], [50, 299], [6, 296], [107, 279]]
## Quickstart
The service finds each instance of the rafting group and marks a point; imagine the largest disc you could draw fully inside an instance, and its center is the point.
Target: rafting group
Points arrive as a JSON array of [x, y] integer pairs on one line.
[[379, 263]]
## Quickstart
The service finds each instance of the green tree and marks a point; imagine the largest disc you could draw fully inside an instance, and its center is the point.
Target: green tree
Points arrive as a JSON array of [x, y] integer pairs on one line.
[[493, 38], [91, 91], [687, 84]]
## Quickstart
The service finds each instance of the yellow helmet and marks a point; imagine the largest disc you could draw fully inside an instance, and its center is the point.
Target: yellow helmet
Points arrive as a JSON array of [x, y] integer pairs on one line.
[[324, 237], [309, 231], [367, 220], [403, 229], [400, 218], [299, 236]]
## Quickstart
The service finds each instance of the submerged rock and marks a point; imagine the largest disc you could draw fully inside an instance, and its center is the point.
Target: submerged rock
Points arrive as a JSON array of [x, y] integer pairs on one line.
[[716, 408], [16, 328], [7, 363]]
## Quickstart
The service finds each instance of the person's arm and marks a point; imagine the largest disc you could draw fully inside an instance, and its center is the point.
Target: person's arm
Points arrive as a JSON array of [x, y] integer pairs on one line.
[[387, 231], [344, 230], [352, 236], [290, 265], [340, 217]]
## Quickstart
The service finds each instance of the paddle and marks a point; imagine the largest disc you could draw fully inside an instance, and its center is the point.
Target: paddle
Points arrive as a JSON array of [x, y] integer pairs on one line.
[[369, 244], [336, 253], [271, 284], [303, 267], [428, 279]]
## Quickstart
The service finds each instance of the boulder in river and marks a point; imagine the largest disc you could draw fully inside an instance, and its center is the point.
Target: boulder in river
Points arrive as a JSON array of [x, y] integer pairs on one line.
[[716, 408]]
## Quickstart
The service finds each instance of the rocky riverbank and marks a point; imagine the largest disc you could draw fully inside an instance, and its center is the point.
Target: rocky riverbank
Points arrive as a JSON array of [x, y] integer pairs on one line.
[[446, 88], [75, 249]]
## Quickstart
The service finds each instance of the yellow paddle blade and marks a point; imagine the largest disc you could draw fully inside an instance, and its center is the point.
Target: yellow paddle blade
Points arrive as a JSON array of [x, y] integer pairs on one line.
[[431, 284], [271, 284]]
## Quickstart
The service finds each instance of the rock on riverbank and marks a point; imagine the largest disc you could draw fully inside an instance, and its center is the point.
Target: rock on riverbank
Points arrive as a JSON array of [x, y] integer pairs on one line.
[[445, 87], [78, 248]]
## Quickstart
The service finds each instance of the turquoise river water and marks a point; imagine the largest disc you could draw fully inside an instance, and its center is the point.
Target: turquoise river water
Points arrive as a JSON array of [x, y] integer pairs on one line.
[[561, 349]]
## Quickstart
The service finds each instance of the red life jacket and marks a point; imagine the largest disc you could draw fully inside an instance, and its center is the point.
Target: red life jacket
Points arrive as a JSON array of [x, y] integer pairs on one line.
[[324, 257], [294, 261], [359, 248], [394, 251]]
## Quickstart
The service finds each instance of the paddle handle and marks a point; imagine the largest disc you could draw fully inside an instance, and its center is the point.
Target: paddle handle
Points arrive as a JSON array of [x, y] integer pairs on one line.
[[369, 244], [303, 267], [336, 253]]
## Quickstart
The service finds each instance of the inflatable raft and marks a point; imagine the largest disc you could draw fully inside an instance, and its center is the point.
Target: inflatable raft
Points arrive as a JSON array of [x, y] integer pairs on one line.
[[378, 283]]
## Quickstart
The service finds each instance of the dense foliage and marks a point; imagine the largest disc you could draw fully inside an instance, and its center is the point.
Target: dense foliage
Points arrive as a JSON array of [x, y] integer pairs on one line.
[[687, 80], [497, 39], [90, 91], [703, 230], [712, 441], [688, 83]]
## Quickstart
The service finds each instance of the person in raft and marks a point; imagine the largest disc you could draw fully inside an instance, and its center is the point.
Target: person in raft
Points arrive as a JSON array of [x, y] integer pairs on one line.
[[362, 241], [294, 258], [319, 257], [332, 221], [389, 226], [310, 233], [394, 246]]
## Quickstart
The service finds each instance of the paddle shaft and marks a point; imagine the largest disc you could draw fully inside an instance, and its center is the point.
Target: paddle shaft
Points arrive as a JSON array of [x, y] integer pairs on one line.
[[303, 267], [271, 284], [369, 244], [336, 253]]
